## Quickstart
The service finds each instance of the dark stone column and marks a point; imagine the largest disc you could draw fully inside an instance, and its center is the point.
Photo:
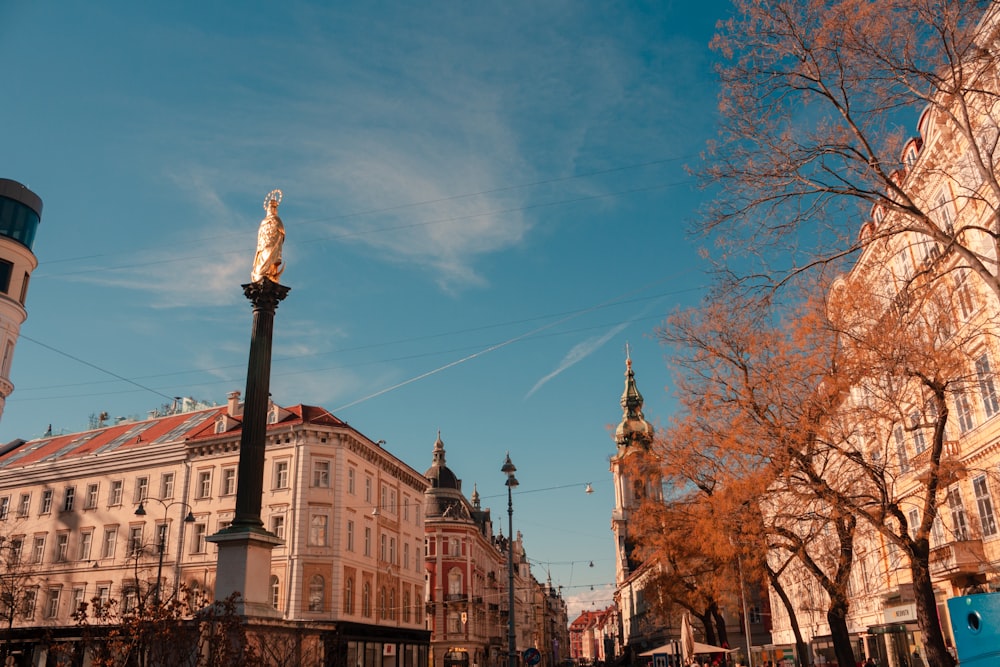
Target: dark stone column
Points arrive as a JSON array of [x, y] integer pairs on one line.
[[264, 295], [243, 566]]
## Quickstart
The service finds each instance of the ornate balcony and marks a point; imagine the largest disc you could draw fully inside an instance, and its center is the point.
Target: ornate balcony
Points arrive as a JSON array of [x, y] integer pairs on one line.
[[957, 559]]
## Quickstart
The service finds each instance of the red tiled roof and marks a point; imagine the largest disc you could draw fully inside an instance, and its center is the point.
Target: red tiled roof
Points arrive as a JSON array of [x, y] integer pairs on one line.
[[129, 435]]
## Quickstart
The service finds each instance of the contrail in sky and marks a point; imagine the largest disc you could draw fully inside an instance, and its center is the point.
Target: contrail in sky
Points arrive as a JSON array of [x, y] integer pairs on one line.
[[578, 353]]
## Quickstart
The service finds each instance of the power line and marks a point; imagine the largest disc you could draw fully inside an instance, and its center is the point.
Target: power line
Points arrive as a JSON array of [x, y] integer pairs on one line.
[[567, 315]]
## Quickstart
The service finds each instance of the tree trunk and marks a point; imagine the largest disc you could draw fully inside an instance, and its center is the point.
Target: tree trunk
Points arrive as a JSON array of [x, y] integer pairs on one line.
[[720, 625], [927, 616], [801, 648], [836, 617], [706, 622]]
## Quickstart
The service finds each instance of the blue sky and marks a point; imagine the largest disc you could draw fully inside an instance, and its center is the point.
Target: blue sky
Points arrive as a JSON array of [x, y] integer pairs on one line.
[[483, 203]]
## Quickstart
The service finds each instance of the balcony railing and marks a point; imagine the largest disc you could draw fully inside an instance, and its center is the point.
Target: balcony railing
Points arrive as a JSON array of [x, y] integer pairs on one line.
[[950, 451], [957, 558]]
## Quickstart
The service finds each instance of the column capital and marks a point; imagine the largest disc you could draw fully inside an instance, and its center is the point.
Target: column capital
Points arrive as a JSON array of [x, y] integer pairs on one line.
[[265, 294]]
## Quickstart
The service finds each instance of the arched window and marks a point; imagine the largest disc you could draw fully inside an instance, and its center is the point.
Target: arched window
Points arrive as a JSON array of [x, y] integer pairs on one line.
[[392, 604], [349, 596], [406, 606], [381, 604], [275, 591], [366, 600], [455, 581], [317, 590]]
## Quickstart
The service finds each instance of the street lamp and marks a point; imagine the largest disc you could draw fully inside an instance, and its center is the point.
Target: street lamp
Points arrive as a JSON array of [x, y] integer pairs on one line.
[[509, 470], [141, 511]]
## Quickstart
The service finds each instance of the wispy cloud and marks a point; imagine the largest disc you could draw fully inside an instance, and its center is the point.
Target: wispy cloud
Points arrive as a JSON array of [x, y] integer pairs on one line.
[[578, 353]]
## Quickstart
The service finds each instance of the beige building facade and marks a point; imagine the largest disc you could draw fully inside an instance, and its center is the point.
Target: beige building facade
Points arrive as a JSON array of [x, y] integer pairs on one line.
[[114, 512], [938, 171]]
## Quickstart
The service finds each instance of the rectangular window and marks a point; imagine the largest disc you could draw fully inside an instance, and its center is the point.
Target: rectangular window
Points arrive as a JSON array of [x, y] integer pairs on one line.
[[278, 525], [68, 498], [134, 540], [406, 556], [919, 443], [383, 497], [24, 504], [5, 272], [62, 547], [350, 535], [198, 541], [103, 595], [28, 604], [4, 507], [987, 389], [78, 598], [368, 489], [966, 306], [46, 502], [945, 214], [16, 545], [406, 508], [167, 485], [52, 609], [204, 485], [904, 461], [351, 474], [368, 541], [392, 550], [115, 497], [162, 538], [281, 474], [108, 545], [913, 519], [959, 522], [321, 474], [91, 501], [38, 549], [141, 489], [86, 540], [985, 504], [937, 532], [382, 547], [228, 481], [317, 530], [964, 411]]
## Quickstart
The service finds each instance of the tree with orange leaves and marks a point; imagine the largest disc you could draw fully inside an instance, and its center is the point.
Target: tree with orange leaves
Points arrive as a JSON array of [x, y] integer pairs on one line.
[[797, 431]]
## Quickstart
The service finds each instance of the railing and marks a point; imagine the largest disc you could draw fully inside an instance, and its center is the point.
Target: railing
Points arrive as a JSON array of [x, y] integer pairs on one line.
[[957, 558], [951, 450]]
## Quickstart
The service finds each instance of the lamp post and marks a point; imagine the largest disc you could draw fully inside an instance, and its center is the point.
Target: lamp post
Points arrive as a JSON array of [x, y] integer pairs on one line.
[[141, 511], [509, 469]]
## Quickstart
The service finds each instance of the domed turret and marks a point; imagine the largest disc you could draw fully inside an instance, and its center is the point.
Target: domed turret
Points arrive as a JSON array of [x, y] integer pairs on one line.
[[20, 215], [444, 499]]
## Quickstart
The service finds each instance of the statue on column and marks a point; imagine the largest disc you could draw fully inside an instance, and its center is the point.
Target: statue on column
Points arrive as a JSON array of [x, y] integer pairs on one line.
[[270, 238]]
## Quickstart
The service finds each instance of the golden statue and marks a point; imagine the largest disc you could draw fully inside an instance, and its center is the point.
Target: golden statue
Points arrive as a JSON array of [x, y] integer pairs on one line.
[[270, 238]]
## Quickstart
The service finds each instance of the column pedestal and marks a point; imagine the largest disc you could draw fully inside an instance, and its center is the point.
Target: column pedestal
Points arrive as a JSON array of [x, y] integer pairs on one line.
[[244, 565]]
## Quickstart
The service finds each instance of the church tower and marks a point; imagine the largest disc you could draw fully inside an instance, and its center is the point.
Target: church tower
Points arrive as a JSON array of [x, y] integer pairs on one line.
[[634, 435], [20, 213]]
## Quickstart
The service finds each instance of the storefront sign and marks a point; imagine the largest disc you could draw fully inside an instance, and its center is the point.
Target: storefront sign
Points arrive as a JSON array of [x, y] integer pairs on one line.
[[901, 613]]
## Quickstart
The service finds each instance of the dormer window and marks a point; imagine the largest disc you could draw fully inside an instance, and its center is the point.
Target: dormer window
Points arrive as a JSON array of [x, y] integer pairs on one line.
[[272, 415], [220, 425]]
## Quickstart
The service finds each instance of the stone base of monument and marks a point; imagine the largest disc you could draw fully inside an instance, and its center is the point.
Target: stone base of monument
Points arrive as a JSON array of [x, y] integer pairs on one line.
[[244, 566]]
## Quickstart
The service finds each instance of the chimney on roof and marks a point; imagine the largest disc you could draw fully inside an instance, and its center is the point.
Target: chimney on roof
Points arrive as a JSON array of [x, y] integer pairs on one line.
[[235, 408]]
